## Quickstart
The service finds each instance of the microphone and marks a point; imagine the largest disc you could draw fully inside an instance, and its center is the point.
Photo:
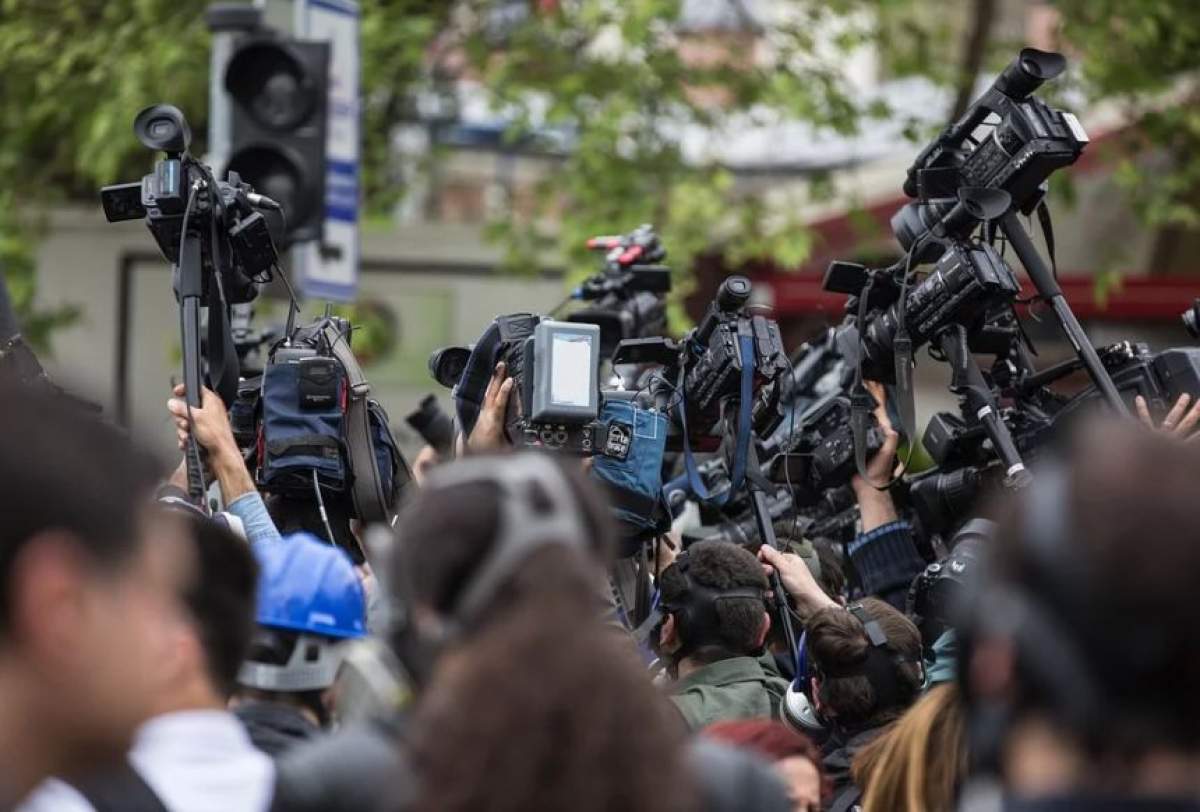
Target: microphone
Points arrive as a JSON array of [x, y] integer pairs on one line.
[[262, 201]]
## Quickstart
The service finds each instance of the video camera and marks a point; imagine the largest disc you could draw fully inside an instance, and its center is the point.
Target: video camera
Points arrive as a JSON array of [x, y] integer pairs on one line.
[[731, 356], [182, 196], [1026, 141], [626, 299], [216, 237], [968, 283]]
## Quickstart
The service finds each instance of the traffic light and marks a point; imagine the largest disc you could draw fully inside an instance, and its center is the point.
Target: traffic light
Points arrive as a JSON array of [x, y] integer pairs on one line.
[[279, 89]]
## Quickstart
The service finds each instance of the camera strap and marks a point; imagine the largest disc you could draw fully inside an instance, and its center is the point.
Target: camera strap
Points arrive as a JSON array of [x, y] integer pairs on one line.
[[1043, 215], [742, 440]]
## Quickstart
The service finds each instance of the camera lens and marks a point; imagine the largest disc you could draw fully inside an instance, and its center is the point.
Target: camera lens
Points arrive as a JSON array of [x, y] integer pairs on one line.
[[447, 365], [1191, 319]]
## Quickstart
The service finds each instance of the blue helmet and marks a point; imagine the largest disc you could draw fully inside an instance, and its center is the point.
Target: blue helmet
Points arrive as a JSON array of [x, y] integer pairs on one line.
[[308, 586]]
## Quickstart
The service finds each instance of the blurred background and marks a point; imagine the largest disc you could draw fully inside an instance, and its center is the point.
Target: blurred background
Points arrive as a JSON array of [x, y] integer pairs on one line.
[[490, 138]]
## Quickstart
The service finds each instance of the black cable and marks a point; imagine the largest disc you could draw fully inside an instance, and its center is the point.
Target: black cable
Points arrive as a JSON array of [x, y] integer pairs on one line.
[[321, 508]]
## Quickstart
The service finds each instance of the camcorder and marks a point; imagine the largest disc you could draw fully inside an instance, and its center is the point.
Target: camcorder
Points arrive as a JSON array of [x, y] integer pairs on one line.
[[627, 298], [1007, 140], [218, 241], [969, 282], [732, 357], [181, 195]]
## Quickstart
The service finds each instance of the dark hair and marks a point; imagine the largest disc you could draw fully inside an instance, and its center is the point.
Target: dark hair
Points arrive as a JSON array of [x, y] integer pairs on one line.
[[221, 599], [276, 647], [63, 469], [292, 514], [554, 709], [773, 740], [445, 532], [719, 565], [838, 641], [1116, 585]]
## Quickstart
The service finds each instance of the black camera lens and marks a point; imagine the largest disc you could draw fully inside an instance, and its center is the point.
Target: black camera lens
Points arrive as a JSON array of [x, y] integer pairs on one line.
[[163, 127], [434, 425], [447, 364], [733, 293], [1191, 319]]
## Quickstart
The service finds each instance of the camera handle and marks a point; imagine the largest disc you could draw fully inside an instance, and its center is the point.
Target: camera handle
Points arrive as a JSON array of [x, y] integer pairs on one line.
[[759, 501], [1048, 288], [191, 286], [967, 380]]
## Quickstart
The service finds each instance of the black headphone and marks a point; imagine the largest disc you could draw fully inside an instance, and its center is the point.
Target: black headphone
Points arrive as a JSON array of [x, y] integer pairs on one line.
[[881, 665], [525, 527], [1037, 621], [695, 608]]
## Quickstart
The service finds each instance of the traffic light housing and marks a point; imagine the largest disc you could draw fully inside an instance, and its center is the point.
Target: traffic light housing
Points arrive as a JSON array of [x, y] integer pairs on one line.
[[279, 90]]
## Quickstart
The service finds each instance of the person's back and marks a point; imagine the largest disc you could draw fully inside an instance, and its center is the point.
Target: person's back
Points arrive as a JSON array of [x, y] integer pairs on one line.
[[88, 581], [865, 669], [712, 635], [504, 558], [1082, 651], [920, 762]]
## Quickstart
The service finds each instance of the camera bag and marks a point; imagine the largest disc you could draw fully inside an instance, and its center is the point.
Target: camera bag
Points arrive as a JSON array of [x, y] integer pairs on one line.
[[318, 420]]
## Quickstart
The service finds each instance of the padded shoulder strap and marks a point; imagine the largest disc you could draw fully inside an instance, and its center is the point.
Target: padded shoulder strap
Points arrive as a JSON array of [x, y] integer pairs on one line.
[[370, 501], [120, 790]]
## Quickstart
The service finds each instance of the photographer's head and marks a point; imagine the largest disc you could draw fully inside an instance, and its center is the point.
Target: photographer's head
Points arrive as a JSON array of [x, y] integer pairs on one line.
[[309, 600], [865, 664], [89, 578], [484, 533], [201, 668], [713, 609], [501, 565], [1082, 644]]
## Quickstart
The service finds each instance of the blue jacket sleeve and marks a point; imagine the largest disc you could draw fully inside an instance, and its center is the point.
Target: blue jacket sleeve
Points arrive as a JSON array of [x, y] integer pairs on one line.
[[886, 560], [260, 529]]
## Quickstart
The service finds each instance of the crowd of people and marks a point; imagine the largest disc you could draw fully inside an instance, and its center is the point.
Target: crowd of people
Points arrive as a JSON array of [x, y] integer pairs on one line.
[[278, 655]]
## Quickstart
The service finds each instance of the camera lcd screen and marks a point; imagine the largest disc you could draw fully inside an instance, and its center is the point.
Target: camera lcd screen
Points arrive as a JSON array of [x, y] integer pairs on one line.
[[570, 375]]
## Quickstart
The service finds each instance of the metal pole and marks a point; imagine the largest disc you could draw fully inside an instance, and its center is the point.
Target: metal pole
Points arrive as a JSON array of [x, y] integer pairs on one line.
[[1048, 288]]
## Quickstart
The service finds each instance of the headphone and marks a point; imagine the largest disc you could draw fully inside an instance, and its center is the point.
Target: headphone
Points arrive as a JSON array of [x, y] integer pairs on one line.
[[537, 510], [880, 666], [695, 608], [1035, 621]]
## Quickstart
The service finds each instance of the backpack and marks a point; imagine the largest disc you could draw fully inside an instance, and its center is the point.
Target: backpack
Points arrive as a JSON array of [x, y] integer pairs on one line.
[[318, 425]]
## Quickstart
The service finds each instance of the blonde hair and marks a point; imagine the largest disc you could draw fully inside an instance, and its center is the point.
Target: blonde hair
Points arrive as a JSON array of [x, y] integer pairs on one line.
[[918, 763]]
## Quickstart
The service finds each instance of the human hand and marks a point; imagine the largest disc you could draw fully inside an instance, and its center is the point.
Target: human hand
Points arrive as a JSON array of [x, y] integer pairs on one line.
[[427, 458], [880, 466], [209, 420], [488, 434], [213, 432], [1179, 422], [668, 546], [797, 579]]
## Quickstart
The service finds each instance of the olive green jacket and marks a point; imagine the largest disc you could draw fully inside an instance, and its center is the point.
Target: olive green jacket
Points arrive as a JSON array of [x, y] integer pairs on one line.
[[737, 688]]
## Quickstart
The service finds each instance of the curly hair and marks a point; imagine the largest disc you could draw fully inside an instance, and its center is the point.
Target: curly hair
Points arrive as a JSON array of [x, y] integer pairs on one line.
[[719, 565]]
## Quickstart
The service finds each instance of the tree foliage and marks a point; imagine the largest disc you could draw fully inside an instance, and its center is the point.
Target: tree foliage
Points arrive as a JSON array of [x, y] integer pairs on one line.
[[620, 79], [1145, 56]]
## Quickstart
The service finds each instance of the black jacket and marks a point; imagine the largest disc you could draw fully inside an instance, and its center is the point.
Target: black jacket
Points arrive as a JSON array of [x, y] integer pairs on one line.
[[274, 727], [840, 751]]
